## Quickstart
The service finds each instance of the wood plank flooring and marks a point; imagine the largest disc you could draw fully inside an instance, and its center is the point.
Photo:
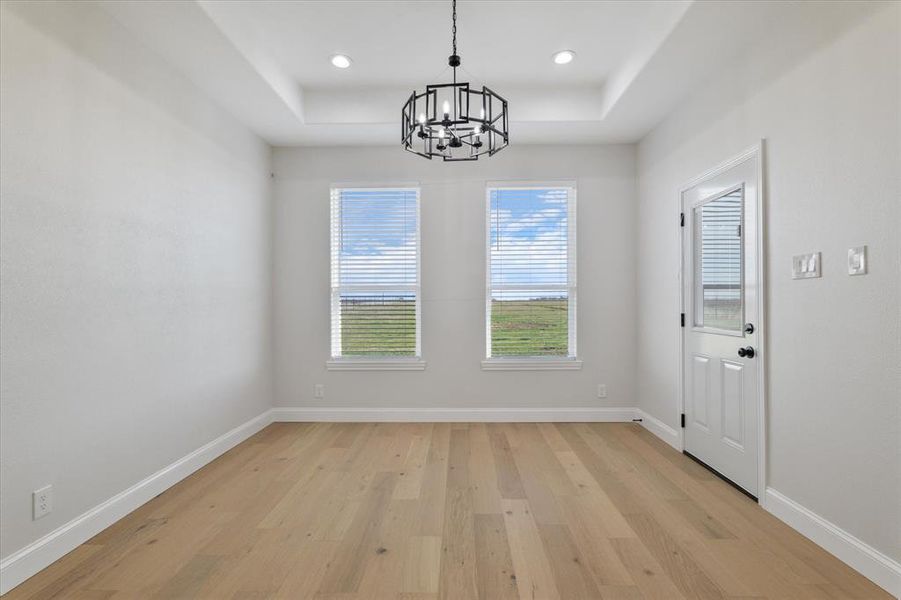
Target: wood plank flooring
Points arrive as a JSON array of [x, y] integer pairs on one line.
[[421, 511]]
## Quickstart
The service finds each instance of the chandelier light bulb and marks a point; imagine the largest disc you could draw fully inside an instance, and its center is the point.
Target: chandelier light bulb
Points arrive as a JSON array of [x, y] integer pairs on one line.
[[446, 108], [441, 133], [482, 113], [422, 118]]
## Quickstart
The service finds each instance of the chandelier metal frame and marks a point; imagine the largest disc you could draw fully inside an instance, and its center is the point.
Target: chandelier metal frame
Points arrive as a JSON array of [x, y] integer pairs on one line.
[[455, 135]]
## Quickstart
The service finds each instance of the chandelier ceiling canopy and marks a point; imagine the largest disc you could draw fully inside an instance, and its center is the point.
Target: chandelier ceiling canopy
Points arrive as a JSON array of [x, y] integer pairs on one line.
[[452, 121]]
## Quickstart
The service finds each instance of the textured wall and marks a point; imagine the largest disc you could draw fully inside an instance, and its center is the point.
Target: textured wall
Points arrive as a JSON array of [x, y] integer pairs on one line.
[[135, 270]]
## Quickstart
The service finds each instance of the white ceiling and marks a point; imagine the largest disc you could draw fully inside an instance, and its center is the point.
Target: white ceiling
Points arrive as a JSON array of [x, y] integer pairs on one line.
[[407, 43], [267, 61]]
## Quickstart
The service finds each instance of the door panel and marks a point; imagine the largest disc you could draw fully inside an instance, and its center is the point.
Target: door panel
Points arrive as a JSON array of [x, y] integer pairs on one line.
[[733, 403], [720, 295], [700, 385]]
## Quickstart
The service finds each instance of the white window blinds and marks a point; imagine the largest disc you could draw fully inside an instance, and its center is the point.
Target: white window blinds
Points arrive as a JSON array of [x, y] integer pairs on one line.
[[531, 297], [375, 272], [718, 242]]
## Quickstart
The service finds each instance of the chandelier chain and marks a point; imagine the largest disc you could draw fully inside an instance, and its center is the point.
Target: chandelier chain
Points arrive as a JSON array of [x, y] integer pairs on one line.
[[454, 30]]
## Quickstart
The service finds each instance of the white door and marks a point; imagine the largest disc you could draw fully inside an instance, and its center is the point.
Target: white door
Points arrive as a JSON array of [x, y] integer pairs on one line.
[[721, 353]]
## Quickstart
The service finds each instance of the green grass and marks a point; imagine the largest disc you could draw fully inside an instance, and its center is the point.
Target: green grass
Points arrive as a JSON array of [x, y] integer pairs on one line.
[[378, 328], [530, 327], [518, 328]]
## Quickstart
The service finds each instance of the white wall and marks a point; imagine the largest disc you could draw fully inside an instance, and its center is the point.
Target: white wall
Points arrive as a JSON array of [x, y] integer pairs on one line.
[[453, 278], [135, 266], [827, 103]]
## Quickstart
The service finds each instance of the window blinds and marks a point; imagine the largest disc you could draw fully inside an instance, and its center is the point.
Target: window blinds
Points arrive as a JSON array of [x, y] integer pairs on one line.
[[718, 225], [531, 272], [375, 272]]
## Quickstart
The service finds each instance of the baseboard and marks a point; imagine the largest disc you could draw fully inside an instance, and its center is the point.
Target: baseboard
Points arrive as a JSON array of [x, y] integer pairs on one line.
[[666, 433], [871, 563], [453, 415], [38, 555]]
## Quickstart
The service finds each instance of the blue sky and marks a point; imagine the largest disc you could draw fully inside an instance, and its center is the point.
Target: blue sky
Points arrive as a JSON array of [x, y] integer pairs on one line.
[[528, 230], [528, 238], [378, 243]]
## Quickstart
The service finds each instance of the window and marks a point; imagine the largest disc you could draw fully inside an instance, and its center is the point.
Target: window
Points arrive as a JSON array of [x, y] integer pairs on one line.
[[531, 296], [375, 296], [718, 265]]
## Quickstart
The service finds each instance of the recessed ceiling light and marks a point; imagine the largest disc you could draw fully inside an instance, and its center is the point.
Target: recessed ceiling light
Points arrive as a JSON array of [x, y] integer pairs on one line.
[[564, 56], [341, 61]]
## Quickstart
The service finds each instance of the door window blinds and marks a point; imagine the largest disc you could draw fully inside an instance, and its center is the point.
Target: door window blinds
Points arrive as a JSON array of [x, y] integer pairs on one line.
[[375, 293], [718, 244], [531, 297]]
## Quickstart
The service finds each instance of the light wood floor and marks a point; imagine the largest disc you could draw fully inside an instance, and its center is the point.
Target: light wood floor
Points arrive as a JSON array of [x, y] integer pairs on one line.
[[421, 511]]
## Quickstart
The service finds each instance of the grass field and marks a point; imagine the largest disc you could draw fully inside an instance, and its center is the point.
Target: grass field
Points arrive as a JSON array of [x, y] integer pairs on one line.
[[530, 327], [518, 328], [376, 327]]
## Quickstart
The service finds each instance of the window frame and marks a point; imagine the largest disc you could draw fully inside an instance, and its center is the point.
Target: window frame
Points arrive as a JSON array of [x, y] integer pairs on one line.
[[536, 363], [371, 363], [697, 258]]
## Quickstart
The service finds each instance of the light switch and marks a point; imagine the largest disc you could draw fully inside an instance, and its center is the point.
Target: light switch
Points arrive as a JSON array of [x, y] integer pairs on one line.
[[857, 260], [805, 266]]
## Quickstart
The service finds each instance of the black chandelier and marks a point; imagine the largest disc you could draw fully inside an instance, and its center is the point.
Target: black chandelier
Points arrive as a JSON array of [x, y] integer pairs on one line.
[[471, 122]]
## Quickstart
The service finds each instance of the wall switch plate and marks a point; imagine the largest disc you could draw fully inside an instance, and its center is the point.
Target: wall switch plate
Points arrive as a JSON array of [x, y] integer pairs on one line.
[[805, 266], [319, 391], [602, 390], [42, 502], [857, 260]]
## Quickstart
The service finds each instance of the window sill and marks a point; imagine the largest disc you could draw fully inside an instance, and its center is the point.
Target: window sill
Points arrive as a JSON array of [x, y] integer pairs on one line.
[[375, 364], [531, 364]]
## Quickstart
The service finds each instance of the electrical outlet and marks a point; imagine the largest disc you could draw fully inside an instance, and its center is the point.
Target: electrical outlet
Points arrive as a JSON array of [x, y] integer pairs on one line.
[[42, 502], [602, 390], [319, 391]]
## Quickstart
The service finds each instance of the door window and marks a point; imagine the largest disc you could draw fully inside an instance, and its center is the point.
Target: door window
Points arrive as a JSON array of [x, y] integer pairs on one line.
[[718, 262]]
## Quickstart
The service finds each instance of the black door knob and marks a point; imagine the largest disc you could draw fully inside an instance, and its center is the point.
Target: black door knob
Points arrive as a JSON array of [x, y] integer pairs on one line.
[[746, 352]]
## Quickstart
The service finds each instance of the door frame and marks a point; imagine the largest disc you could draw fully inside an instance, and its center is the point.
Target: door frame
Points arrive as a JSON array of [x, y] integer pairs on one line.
[[753, 152]]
